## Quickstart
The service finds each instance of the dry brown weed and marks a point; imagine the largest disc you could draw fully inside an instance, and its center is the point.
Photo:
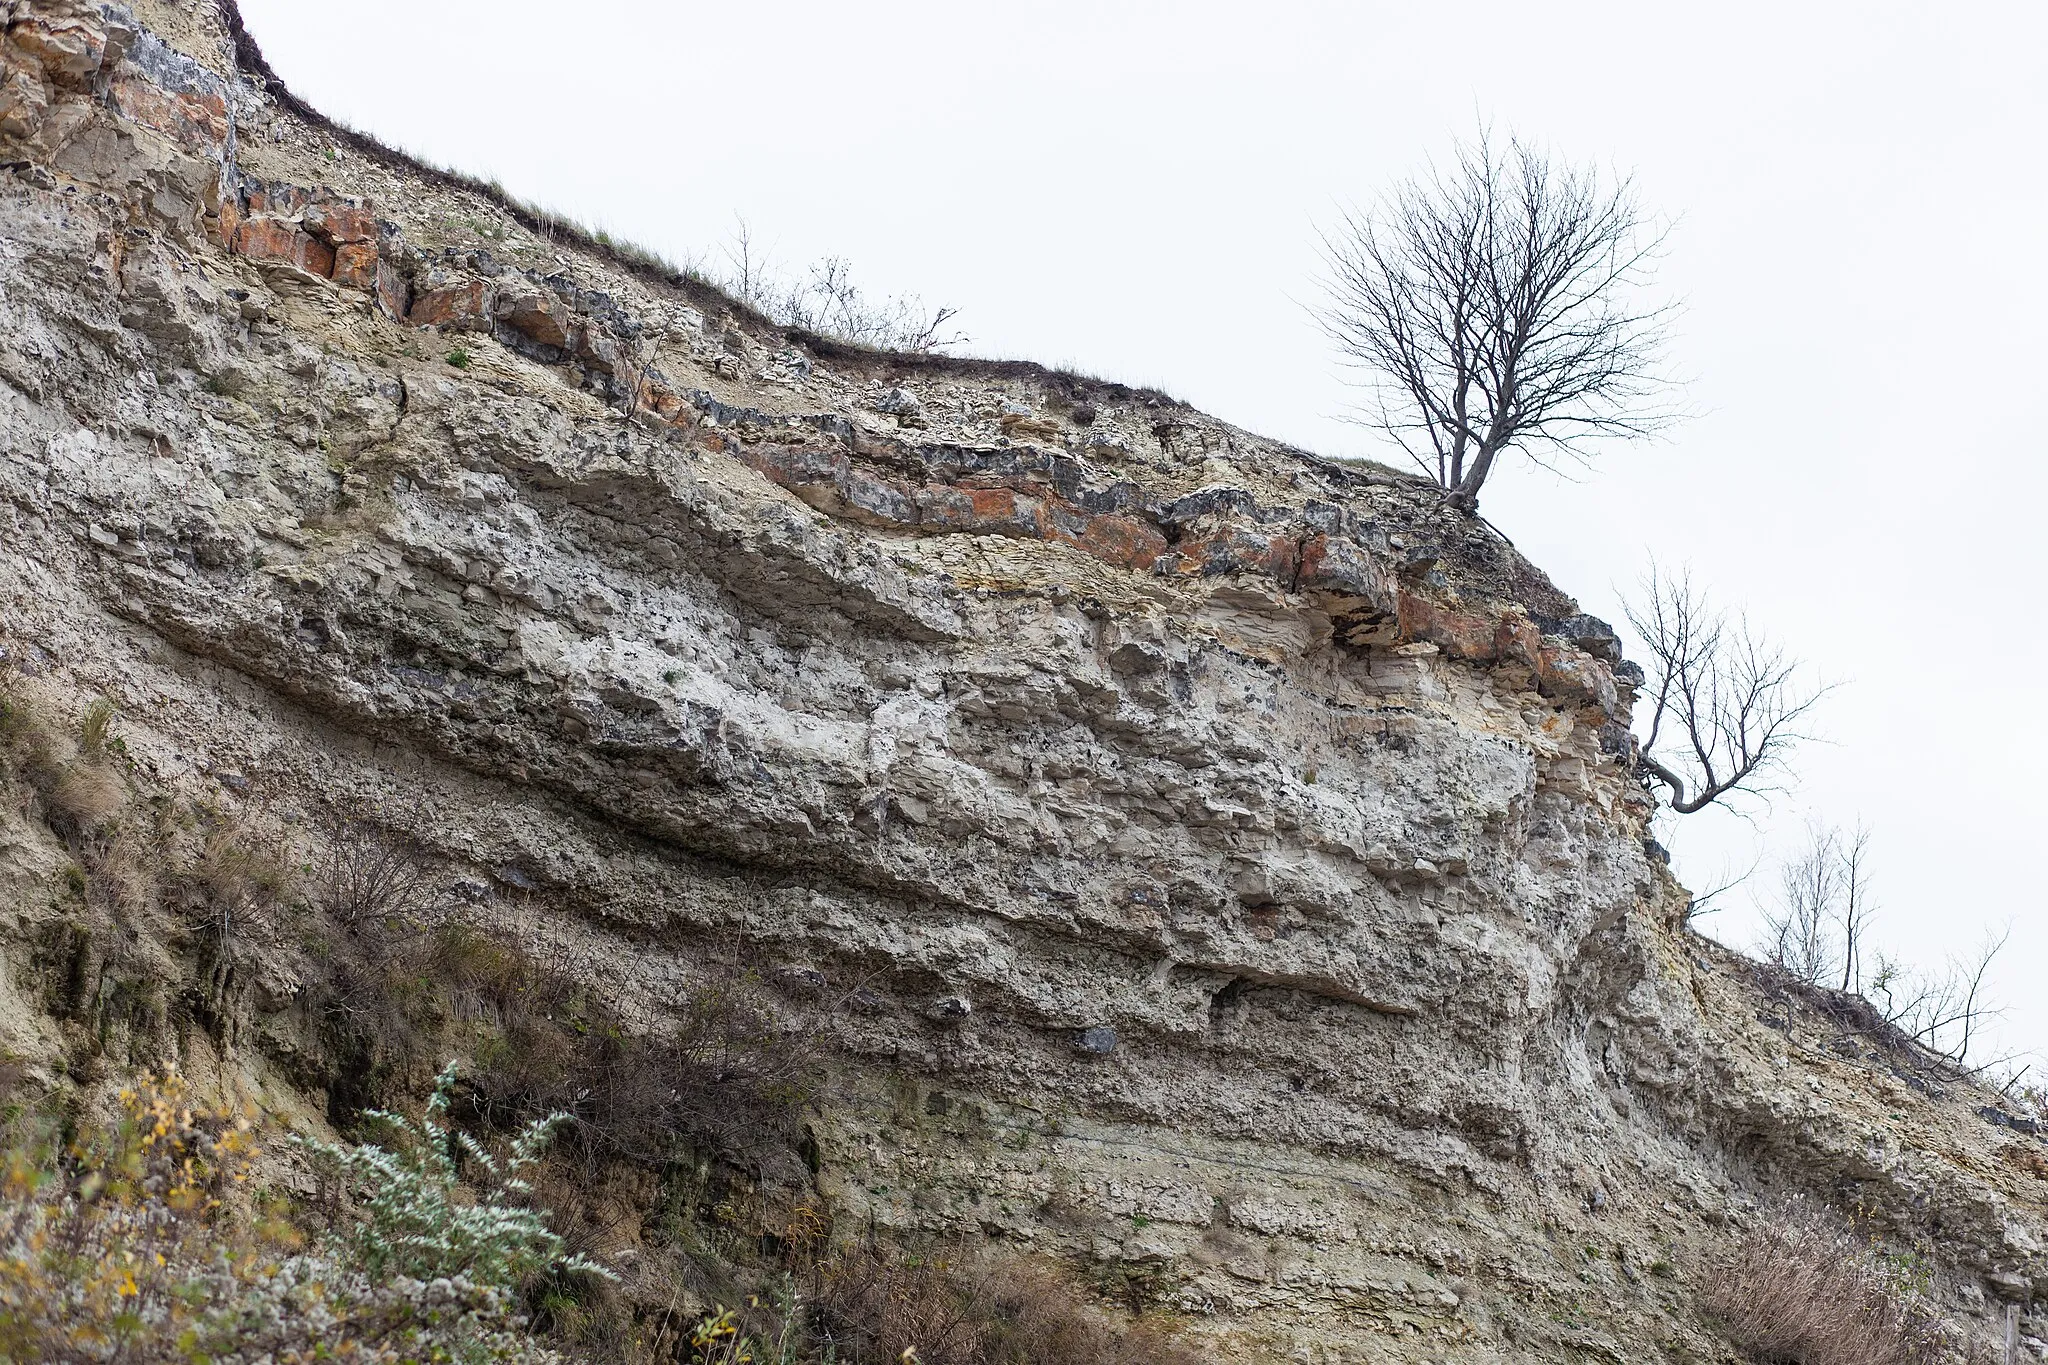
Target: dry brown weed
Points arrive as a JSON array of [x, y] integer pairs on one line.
[[1799, 1288], [86, 796], [874, 1304]]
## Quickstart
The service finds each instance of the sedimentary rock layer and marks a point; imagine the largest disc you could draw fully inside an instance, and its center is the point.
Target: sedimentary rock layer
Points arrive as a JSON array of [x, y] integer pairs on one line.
[[1223, 864]]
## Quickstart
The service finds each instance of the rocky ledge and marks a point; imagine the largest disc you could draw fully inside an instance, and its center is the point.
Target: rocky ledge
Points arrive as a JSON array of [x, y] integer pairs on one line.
[[1224, 862]]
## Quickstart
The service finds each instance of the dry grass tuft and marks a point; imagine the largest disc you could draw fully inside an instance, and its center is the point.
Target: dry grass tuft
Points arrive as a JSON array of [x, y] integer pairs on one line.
[[1799, 1289], [124, 879], [96, 728], [875, 1305], [240, 868], [29, 758], [71, 781], [86, 796]]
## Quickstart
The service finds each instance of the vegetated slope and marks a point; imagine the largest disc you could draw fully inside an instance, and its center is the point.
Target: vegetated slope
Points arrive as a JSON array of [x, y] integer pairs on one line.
[[1207, 865]]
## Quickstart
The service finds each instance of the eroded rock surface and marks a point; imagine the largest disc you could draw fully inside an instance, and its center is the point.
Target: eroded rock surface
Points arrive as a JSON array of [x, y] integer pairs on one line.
[[1227, 857]]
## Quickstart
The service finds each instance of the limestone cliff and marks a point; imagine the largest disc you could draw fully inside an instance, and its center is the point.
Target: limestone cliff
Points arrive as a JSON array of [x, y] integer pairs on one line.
[[1224, 859]]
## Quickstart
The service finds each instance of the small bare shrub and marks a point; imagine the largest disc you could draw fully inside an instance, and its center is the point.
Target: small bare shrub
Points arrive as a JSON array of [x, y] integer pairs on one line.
[[366, 877], [872, 1306], [827, 303], [726, 1078], [1800, 1289]]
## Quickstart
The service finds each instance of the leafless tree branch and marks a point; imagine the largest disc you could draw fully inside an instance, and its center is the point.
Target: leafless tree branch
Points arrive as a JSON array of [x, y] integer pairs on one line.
[[1726, 704], [827, 302], [1944, 1014], [1707, 902], [1801, 933]]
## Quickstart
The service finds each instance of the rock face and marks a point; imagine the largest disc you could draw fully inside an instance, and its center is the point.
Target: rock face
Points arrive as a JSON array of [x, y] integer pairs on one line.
[[1225, 859]]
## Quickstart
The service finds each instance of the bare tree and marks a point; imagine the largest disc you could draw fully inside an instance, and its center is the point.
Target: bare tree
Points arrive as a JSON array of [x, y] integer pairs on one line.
[[1821, 928], [831, 304], [828, 303], [1729, 703], [1858, 909], [746, 276], [1493, 304], [1825, 908], [1943, 1013], [1801, 930]]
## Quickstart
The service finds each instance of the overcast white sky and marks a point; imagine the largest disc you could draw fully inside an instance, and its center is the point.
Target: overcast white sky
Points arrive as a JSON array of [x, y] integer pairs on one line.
[[1133, 189]]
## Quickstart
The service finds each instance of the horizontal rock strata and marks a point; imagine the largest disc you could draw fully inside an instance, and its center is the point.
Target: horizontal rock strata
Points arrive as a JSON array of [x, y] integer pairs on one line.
[[1221, 864]]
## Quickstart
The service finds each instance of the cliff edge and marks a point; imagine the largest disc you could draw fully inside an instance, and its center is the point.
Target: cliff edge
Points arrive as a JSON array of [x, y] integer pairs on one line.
[[1219, 867]]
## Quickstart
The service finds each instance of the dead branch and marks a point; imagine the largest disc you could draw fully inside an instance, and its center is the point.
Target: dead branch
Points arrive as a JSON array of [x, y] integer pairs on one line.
[[1705, 903], [1729, 701], [1801, 935], [1858, 908], [1944, 1014]]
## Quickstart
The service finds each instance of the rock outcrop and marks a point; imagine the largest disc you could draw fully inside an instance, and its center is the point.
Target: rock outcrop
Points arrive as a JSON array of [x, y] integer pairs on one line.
[[1224, 862]]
